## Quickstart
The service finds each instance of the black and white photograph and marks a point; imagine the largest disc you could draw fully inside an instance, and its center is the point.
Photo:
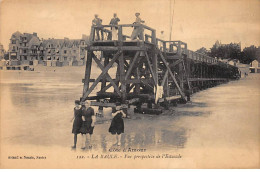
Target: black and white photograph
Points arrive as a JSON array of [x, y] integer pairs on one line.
[[129, 84]]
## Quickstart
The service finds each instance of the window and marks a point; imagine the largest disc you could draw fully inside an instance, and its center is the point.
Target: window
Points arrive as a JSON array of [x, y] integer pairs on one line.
[[65, 58], [24, 51], [25, 57], [13, 48], [49, 51], [13, 41], [49, 58], [65, 51], [74, 51]]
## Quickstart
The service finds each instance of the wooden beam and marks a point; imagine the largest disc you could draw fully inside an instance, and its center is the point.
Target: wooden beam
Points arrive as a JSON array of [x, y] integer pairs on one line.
[[170, 98], [207, 79], [108, 77], [134, 100], [150, 67], [175, 63], [102, 74], [130, 88], [131, 65], [164, 78], [104, 78], [155, 65], [122, 77], [87, 71], [147, 84], [106, 87], [175, 57], [113, 48], [136, 81], [186, 76], [92, 103], [174, 79]]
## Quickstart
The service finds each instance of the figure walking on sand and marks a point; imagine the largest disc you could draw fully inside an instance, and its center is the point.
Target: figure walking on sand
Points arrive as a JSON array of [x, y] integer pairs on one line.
[[117, 124], [77, 122], [88, 123]]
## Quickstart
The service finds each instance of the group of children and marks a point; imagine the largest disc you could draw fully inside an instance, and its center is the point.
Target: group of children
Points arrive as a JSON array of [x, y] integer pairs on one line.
[[84, 122]]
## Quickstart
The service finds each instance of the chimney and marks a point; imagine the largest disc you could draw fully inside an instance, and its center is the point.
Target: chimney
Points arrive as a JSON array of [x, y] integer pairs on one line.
[[34, 33]]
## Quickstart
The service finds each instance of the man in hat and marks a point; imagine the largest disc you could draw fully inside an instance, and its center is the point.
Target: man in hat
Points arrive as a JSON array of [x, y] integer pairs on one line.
[[138, 30], [98, 22], [114, 21]]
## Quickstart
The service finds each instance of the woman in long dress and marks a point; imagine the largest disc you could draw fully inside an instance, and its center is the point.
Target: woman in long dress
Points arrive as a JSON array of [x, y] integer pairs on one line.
[[87, 127], [77, 122], [117, 124]]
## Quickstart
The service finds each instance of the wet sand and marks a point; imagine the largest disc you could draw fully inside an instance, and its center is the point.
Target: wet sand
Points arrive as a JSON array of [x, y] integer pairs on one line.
[[218, 129]]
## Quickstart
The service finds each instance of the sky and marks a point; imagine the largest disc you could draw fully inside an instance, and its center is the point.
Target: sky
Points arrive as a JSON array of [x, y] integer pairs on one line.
[[199, 23]]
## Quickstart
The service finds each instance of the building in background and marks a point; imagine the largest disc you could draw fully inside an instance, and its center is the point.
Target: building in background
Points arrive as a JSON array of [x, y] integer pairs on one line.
[[2, 52], [28, 49], [255, 66]]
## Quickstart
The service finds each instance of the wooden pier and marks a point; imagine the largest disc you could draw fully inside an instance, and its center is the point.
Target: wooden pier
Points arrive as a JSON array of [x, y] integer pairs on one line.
[[149, 71]]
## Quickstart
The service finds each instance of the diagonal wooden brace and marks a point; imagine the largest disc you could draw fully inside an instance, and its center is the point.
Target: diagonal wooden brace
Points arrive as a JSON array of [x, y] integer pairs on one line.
[[150, 67], [173, 77], [85, 95], [131, 66], [108, 77]]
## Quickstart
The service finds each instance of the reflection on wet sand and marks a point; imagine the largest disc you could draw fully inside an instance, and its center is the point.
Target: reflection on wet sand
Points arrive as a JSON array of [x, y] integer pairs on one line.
[[39, 113]]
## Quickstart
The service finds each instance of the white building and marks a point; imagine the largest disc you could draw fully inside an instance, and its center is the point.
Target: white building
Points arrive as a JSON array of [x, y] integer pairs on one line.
[[255, 67]]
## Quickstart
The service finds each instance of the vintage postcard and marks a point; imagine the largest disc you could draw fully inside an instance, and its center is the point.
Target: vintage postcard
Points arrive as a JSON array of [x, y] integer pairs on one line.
[[129, 84]]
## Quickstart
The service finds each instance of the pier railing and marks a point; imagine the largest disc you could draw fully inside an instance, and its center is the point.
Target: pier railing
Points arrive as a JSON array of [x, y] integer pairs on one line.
[[123, 32], [147, 35]]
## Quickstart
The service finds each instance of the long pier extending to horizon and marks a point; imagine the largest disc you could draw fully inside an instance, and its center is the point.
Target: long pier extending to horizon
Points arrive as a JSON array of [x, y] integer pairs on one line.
[[150, 71]]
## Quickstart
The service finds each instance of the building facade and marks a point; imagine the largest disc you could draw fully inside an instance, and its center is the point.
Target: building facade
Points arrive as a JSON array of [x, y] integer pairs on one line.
[[28, 49], [2, 52], [255, 67]]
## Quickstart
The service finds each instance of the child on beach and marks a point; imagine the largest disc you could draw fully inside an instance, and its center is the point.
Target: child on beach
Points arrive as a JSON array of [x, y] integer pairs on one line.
[[117, 124], [77, 122], [89, 119]]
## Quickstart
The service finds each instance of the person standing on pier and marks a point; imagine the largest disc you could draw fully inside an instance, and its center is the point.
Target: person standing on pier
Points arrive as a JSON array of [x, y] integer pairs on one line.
[[138, 30], [98, 22], [87, 127], [162, 38], [117, 124], [77, 122], [114, 21]]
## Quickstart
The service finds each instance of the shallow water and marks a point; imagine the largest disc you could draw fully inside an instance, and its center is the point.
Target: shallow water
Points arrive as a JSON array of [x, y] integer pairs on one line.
[[36, 108]]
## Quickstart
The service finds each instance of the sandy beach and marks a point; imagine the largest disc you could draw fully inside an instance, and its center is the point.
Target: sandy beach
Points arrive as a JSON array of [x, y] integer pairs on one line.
[[218, 129]]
